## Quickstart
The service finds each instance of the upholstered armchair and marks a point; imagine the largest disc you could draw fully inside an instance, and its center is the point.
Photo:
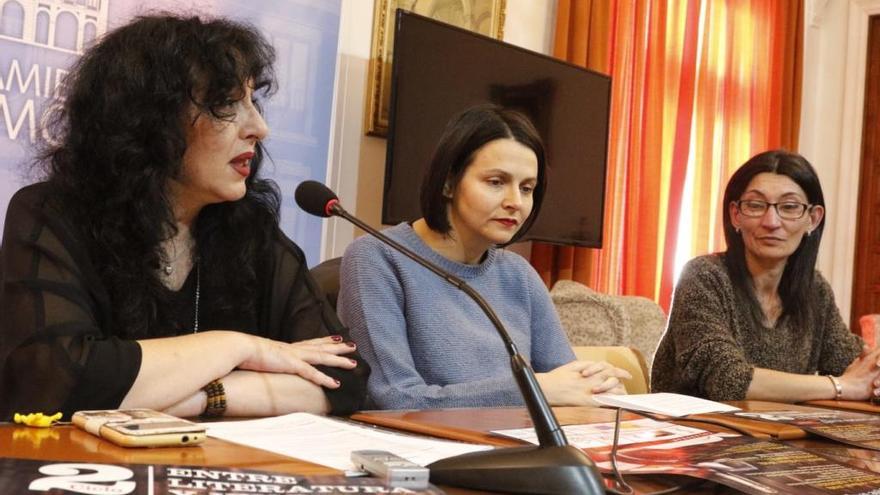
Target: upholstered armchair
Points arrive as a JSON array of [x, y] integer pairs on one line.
[[327, 276], [594, 319]]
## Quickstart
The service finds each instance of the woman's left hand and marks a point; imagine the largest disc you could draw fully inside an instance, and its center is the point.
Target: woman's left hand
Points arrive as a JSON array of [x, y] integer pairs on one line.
[[861, 380], [611, 375], [298, 358]]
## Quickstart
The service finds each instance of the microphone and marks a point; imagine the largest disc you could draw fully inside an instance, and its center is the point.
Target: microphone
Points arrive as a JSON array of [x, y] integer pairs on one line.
[[553, 466], [316, 198]]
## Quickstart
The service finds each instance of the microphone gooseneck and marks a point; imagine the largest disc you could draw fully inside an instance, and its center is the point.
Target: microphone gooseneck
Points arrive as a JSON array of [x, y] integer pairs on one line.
[[552, 467]]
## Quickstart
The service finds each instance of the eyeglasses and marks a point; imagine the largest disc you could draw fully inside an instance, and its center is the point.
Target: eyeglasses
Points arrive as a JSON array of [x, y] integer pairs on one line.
[[788, 210]]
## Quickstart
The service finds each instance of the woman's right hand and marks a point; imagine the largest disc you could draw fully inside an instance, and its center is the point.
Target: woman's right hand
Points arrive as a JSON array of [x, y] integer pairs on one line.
[[861, 380], [574, 384], [298, 358]]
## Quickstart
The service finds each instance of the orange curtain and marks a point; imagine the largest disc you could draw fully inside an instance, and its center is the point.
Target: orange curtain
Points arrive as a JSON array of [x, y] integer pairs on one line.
[[582, 34], [697, 88]]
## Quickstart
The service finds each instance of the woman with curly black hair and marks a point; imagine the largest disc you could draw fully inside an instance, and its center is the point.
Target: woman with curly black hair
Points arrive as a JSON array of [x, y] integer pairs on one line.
[[149, 269]]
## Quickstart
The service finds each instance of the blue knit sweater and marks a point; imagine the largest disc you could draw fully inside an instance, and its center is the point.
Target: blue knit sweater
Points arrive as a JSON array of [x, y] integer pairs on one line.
[[428, 343]]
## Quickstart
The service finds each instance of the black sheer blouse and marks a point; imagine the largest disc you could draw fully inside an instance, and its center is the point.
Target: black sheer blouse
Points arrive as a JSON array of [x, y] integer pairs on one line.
[[57, 351]]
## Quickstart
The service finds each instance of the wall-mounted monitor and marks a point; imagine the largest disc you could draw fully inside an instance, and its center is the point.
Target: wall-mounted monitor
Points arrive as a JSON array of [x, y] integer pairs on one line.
[[440, 70]]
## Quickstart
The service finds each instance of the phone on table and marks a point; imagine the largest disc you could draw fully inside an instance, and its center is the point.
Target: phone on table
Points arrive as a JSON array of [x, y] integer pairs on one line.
[[140, 428], [395, 470]]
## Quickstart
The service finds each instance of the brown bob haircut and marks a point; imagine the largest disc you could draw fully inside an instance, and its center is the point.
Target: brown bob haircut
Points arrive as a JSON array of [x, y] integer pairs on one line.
[[463, 136]]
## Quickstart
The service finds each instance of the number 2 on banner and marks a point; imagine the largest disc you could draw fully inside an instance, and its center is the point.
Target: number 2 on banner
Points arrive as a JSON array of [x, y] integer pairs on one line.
[[69, 477]]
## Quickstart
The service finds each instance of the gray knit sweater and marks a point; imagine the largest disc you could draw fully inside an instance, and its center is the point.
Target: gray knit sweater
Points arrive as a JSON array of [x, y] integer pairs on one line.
[[428, 344], [711, 345]]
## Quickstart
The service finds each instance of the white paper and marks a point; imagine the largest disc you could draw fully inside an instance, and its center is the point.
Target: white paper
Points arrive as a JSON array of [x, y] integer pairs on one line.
[[329, 442], [675, 405], [590, 436]]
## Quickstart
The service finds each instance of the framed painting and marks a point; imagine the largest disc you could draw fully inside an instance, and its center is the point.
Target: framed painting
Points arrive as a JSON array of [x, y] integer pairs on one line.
[[481, 16]]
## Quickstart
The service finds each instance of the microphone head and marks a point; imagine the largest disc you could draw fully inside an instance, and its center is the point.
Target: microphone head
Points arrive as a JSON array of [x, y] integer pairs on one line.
[[315, 198]]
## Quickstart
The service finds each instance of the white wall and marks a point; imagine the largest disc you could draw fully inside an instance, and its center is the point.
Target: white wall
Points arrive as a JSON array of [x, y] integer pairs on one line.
[[357, 162], [835, 53]]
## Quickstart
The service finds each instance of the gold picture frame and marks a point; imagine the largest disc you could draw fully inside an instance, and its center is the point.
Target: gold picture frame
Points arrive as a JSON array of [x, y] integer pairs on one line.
[[481, 16]]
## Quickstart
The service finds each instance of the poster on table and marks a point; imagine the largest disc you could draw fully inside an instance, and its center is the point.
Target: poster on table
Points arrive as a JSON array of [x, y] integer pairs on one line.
[[756, 467], [750, 465], [853, 428], [30, 477], [40, 39]]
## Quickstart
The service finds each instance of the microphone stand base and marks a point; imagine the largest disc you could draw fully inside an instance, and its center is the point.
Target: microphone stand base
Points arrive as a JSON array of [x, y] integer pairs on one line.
[[553, 470]]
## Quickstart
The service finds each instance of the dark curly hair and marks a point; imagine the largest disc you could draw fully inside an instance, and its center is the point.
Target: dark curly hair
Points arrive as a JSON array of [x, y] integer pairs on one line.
[[797, 277], [119, 137]]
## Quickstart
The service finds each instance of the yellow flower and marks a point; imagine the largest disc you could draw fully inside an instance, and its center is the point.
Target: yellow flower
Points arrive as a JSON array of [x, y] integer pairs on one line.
[[38, 420]]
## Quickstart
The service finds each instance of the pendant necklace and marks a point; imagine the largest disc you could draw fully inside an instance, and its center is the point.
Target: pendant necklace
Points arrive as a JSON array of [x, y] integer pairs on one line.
[[168, 268], [198, 291]]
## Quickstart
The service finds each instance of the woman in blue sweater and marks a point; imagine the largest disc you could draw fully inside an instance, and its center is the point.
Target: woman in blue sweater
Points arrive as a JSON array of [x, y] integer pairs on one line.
[[429, 345]]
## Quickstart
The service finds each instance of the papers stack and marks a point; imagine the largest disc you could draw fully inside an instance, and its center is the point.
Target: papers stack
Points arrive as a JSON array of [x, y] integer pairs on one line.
[[675, 405]]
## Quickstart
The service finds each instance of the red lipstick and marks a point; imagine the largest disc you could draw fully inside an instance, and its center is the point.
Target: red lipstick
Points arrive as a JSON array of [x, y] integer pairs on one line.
[[242, 163], [507, 222]]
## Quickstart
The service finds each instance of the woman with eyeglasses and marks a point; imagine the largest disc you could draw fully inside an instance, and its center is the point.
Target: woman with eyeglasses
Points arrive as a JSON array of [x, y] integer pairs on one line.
[[148, 270], [758, 321]]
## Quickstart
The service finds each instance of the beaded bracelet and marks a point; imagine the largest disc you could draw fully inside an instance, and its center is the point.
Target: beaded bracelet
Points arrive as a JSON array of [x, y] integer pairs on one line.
[[216, 404]]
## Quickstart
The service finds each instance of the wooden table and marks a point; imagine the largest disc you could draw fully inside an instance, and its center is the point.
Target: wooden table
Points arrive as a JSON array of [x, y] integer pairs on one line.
[[68, 443], [476, 425]]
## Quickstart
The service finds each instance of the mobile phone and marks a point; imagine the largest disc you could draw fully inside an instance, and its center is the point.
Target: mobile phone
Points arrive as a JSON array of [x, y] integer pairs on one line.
[[395, 470], [140, 428]]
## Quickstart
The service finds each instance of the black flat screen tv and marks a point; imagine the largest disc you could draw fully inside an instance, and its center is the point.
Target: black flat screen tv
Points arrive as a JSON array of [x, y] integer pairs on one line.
[[439, 70]]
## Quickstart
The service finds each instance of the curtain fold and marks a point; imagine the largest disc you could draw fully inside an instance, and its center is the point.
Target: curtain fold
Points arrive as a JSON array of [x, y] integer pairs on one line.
[[581, 37], [697, 88]]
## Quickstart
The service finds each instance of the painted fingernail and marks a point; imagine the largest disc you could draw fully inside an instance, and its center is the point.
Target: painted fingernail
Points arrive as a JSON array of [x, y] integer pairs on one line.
[[351, 344], [336, 338], [353, 362], [336, 381]]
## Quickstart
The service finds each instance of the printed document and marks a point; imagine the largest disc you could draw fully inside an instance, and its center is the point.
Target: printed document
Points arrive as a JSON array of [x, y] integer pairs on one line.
[[675, 405], [591, 436], [329, 442]]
